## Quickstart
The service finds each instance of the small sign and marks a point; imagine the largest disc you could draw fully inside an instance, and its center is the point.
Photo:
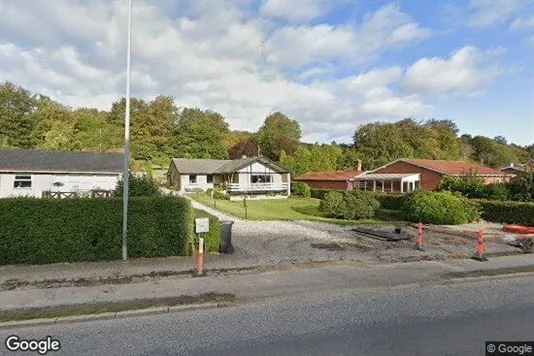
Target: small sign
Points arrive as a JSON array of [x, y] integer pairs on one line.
[[202, 225]]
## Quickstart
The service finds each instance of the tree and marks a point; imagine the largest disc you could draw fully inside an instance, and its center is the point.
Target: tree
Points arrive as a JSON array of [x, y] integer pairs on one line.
[[247, 148], [16, 119], [198, 134], [278, 133]]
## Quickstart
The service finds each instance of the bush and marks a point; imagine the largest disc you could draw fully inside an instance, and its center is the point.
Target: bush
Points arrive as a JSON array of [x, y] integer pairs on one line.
[[521, 213], [470, 186], [143, 186], [349, 205], [300, 189], [390, 201], [496, 191], [521, 187], [40, 231], [441, 208], [213, 237], [194, 190], [321, 193]]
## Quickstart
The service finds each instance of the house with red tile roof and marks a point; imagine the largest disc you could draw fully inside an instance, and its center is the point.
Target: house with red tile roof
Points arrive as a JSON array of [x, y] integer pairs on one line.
[[407, 174], [339, 180]]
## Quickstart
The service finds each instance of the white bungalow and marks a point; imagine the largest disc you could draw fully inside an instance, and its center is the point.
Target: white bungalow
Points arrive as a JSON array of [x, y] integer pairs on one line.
[[257, 177]]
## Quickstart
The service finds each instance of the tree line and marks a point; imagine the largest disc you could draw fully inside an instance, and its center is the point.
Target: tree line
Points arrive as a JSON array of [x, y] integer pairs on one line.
[[160, 129]]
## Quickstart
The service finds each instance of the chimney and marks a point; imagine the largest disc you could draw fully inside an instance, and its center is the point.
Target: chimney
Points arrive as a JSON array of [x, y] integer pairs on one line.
[[244, 156], [358, 165], [512, 164]]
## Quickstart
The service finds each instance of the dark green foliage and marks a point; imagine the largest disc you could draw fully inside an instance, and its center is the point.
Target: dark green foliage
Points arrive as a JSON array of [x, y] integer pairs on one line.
[[390, 201], [213, 237], [470, 185], [300, 189], [217, 194], [496, 191], [440, 208], [521, 187], [40, 231], [139, 186], [319, 193], [353, 205], [508, 212]]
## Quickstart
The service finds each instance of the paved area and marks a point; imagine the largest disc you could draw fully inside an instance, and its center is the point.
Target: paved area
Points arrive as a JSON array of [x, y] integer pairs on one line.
[[456, 319], [258, 245]]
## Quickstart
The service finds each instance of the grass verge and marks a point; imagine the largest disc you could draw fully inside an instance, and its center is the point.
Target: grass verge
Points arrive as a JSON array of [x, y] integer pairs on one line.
[[76, 310]]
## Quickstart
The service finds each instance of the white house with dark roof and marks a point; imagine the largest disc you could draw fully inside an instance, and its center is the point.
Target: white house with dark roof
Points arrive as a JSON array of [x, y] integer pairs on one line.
[[30, 172], [251, 176]]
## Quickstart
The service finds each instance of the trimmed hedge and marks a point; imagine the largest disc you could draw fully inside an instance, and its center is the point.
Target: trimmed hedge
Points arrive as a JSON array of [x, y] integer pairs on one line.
[[320, 193], [440, 208], [389, 201], [349, 205], [507, 212], [213, 237], [40, 231], [300, 189]]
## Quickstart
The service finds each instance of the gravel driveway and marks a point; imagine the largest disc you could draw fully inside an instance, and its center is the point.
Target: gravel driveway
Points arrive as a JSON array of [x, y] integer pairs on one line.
[[287, 242]]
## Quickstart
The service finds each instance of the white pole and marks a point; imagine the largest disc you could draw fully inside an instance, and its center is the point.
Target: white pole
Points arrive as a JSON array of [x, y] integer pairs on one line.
[[126, 171]]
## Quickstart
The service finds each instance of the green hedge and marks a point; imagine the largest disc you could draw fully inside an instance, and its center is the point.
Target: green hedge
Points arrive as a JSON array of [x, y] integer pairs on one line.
[[389, 201], [300, 189], [39, 231], [320, 193], [507, 212], [440, 208], [213, 237], [349, 205]]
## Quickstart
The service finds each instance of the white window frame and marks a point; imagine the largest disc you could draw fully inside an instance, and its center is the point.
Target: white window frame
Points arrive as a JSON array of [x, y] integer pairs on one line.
[[22, 178]]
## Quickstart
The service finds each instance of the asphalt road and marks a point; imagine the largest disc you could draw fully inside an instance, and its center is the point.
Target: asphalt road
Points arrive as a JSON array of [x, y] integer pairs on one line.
[[453, 319]]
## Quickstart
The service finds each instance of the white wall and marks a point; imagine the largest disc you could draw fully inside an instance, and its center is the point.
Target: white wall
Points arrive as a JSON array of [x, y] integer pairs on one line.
[[258, 168], [42, 182], [202, 182]]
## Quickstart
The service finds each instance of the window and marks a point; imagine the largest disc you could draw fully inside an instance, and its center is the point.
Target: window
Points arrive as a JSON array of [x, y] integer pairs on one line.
[[192, 178], [261, 178], [209, 178], [23, 181]]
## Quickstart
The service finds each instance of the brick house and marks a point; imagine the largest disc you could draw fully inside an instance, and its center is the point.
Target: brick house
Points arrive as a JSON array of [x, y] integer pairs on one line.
[[407, 174], [339, 180], [519, 168]]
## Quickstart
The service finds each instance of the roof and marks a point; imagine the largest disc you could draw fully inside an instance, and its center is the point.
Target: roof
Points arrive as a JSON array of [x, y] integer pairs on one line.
[[221, 166], [330, 176], [452, 168], [24, 160], [385, 176], [198, 166]]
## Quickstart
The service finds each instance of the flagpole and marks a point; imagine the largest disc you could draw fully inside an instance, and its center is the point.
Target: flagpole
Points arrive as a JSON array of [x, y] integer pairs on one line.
[[126, 171]]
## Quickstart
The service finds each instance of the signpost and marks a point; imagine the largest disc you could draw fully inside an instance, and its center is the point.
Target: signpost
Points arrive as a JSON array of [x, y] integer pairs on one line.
[[202, 226]]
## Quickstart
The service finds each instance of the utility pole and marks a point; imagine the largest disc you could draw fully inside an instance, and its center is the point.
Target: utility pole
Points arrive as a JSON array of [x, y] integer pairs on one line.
[[126, 171]]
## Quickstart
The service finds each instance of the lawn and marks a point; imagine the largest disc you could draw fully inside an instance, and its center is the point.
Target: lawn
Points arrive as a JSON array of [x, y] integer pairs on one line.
[[284, 209]]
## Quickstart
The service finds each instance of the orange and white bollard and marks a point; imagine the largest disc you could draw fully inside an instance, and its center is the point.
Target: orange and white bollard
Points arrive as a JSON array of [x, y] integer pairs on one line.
[[200, 258], [419, 239], [479, 254]]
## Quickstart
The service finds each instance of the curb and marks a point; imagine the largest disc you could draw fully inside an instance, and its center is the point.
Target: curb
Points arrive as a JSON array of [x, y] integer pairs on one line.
[[109, 316]]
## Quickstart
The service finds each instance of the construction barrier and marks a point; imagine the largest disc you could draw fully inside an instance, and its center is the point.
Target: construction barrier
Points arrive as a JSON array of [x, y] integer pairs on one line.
[[479, 254], [419, 239]]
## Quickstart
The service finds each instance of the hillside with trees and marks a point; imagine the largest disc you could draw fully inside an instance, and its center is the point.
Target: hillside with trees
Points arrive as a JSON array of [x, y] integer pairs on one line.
[[161, 129]]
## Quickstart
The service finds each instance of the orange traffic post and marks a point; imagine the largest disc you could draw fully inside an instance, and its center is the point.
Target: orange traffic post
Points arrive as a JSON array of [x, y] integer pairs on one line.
[[419, 239], [479, 254], [200, 259]]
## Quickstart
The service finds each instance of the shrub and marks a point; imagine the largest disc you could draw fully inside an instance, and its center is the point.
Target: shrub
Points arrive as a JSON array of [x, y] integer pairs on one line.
[[443, 208], [351, 205], [217, 194], [521, 187], [213, 237], [194, 190], [496, 191], [470, 186], [40, 231], [138, 186], [390, 201], [508, 212], [333, 205], [300, 189], [321, 193]]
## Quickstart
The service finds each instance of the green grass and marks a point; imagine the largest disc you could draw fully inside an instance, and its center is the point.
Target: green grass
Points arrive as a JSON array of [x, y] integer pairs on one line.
[[286, 209]]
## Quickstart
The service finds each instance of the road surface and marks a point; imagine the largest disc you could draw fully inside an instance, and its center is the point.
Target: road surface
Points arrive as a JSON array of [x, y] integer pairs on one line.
[[453, 319]]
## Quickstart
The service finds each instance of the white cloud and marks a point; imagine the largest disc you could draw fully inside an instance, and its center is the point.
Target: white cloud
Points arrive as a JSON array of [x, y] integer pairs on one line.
[[484, 14], [522, 23], [219, 57], [462, 73], [293, 10]]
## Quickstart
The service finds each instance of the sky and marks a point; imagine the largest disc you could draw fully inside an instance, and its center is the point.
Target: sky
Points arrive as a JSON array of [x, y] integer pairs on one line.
[[330, 65]]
